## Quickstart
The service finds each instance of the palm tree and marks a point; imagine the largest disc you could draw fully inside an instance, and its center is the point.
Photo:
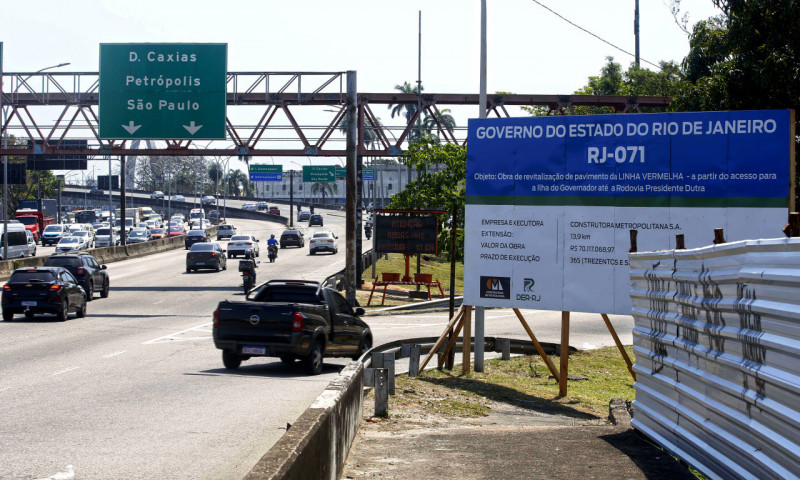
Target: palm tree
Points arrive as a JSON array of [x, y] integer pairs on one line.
[[323, 188], [445, 120], [407, 110], [238, 183], [215, 173]]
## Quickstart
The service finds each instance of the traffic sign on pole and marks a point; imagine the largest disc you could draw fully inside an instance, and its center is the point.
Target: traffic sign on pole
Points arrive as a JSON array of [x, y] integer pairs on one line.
[[367, 174], [319, 173], [266, 173], [162, 91], [341, 173]]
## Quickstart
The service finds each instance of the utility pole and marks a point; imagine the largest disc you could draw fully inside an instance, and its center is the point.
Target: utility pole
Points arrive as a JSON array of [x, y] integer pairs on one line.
[[636, 29]]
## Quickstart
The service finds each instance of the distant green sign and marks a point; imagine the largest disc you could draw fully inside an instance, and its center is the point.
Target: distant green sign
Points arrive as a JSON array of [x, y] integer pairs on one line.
[[266, 173], [162, 91], [319, 173], [341, 172], [266, 168], [368, 174]]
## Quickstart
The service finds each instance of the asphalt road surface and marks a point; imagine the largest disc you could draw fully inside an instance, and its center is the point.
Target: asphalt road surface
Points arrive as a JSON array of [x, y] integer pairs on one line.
[[137, 390]]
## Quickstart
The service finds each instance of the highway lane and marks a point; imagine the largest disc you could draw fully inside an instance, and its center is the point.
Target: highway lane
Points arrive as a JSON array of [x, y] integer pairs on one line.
[[137, 390]]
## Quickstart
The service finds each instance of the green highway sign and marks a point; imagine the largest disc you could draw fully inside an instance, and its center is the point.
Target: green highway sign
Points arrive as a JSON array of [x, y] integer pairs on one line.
[[266, 168], [319, 173], [266, 173], [162, 91], [341, 172]]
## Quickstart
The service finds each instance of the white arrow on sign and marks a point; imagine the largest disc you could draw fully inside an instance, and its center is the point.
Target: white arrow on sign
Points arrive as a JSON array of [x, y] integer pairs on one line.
[[191, 128], [130, 127]]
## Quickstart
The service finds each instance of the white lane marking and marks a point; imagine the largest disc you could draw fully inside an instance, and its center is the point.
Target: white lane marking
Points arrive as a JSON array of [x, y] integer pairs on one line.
[[65, 371], [172, 337], [4, 389], [405, 325], [114, 354]]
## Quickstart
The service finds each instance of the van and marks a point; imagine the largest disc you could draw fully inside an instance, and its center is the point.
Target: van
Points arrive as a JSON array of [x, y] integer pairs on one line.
[[18, 241]]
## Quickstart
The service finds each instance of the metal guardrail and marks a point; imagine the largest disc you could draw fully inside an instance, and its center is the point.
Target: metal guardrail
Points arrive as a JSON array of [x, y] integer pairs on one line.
[[717, 344]]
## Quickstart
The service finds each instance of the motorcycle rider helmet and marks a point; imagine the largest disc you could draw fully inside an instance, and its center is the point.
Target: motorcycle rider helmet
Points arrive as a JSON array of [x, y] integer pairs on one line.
[[272, 236]]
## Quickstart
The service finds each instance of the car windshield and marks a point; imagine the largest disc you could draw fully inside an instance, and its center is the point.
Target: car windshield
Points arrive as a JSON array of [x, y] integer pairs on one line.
[[202, 247], [320, 235], [68, 240], [138, 234], [103, 232], [32, 276], [175, 229], [197, 233], [290, 232], [225, 227], [53, 228], [243, 238], [157, 231], [82, 233]]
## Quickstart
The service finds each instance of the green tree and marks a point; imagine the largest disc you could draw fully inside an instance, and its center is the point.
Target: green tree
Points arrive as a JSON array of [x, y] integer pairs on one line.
[[438, 122], [238, 184], [440, 190], [216, 174], [407, 110]]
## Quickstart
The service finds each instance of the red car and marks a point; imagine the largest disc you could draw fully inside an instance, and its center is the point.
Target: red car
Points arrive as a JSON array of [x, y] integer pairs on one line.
[[174, 231], [274, 210]]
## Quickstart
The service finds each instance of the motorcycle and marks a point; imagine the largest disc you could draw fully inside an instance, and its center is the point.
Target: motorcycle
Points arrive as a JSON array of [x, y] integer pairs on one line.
[[272, 252], [368, 231], [247, 267]]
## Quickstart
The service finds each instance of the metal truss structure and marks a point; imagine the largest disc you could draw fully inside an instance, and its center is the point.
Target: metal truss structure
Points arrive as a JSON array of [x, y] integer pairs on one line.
[[281, 114]]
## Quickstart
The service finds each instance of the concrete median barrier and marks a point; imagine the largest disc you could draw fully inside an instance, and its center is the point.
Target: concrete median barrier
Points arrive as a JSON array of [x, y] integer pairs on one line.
[[317, 443]]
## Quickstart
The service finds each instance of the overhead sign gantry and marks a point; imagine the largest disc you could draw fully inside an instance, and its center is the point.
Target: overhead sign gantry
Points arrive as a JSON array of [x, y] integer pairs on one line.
[[162, 91]]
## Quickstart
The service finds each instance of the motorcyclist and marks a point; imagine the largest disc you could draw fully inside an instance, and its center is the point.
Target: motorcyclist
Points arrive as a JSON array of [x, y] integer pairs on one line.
[[368, 229], [249, 264], [272, 242]]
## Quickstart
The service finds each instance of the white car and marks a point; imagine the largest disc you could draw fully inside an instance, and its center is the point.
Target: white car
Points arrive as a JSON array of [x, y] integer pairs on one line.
[[178, 198], [323, 241], [250, 207], [106, 237], [208, 200], [86, 236], [71, 244], [158, 194], [239, 244]]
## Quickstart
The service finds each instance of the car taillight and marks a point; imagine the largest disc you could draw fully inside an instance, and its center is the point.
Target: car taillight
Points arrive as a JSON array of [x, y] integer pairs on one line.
[[248, 243], [213, 254], [81, 271], [6, 287], [216, 318], [298, 322], [55, 288]]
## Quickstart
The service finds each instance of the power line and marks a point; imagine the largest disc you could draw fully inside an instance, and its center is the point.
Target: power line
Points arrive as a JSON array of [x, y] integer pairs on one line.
[[590, 33]]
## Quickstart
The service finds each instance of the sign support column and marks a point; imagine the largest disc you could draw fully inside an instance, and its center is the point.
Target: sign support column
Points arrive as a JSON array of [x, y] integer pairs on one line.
[[350, 187]]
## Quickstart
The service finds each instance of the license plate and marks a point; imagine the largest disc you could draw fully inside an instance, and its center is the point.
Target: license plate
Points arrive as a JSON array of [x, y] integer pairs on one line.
[[255, 350], [28, 303]]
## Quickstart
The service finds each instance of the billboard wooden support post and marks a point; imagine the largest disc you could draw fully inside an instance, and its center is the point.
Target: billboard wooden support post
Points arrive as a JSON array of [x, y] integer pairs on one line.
[[619, 345], [538, 345], [467, 341], [456, 318], [564, 355]]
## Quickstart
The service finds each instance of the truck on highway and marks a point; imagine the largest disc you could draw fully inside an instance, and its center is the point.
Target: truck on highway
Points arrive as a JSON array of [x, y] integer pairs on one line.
[[34, 221], [290, 319]]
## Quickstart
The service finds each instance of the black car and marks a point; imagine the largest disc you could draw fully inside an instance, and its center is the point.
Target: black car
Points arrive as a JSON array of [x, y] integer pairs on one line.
[[315, 219], [206, 255], [195, 236], [43, 290], [292, 237], [86, 269]]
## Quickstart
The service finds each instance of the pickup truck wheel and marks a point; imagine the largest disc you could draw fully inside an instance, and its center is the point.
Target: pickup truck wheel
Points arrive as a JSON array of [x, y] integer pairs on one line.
[[288, 359], [313, 362], [231, 360], [363, 347]]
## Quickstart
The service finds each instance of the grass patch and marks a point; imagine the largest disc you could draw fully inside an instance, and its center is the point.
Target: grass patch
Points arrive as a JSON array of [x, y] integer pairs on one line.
[[599, 375], [438, 266]]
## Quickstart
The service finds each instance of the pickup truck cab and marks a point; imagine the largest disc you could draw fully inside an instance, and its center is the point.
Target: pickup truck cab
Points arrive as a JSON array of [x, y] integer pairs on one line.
[[291, 320]]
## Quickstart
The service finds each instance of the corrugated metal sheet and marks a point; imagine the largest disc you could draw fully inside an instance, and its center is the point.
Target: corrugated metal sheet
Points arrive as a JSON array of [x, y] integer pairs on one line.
[[717, 344]]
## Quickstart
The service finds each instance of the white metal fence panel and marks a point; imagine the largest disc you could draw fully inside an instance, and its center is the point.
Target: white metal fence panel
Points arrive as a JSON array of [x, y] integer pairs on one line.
[[717, 344]]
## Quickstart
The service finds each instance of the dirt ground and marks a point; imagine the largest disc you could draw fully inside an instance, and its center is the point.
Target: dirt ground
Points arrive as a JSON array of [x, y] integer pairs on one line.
[[431, 434]]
